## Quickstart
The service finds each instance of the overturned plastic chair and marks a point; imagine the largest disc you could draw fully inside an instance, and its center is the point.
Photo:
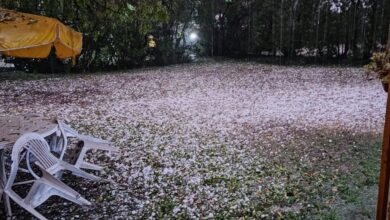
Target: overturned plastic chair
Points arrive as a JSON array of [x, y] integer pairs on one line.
[[32, 146], [86, 143]]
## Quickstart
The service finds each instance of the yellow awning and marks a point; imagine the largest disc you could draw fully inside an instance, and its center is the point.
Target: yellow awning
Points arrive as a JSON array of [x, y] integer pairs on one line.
[[32, 36]]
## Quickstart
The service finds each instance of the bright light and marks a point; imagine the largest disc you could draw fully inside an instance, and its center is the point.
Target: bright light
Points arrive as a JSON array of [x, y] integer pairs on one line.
[[193, 36]]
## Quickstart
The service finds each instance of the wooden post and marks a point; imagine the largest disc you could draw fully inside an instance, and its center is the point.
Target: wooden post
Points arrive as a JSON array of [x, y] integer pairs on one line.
[[384, 178], [384, 174]]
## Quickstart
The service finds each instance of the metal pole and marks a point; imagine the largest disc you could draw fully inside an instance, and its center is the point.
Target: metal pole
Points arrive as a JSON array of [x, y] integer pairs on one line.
[[383, 192]]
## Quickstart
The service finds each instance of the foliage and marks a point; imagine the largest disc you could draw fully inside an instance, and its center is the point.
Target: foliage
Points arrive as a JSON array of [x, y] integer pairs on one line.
[[380, 65], [115, 30], [321, 30]]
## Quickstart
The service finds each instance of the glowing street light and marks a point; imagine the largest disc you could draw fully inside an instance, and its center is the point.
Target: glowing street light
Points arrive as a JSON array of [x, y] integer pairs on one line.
[[193, 36]]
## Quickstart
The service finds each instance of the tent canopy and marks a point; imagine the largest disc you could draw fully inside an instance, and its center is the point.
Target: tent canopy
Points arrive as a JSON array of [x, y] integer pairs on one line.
[[32, 36]]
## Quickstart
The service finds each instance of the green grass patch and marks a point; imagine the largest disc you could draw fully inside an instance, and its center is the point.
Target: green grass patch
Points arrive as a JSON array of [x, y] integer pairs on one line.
[[19, 75], [166, 207]]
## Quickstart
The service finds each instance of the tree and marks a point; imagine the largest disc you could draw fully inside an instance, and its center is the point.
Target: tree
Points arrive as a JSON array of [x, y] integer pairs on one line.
[[115, 30]]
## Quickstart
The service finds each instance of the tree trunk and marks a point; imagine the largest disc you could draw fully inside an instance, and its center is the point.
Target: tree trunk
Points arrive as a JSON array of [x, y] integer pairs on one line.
[[363, 34], [388, 40], [347, 34], [324, 39], [212, 28], [273, 28], [381, 25], [374, 21], [292, 36], [249, 27], [318, 28], [281, 30], [355, 31]]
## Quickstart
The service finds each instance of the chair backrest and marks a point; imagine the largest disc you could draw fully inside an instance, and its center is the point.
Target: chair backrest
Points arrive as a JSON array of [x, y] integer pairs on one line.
[[37, 146], [63, 139]]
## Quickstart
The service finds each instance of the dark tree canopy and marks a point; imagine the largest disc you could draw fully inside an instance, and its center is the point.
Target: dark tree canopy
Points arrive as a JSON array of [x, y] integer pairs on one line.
[[115, 31]]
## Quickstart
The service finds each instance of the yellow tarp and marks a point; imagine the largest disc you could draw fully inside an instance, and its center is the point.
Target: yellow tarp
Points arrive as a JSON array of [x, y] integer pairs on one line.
[[32, 36]]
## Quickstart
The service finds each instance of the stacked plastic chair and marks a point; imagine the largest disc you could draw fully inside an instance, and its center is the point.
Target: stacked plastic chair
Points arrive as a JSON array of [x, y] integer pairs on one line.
[[34, 149], [46, 152]]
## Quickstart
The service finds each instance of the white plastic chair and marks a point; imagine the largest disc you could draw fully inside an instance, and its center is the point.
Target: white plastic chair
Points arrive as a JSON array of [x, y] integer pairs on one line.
[[86, 143], [44, 186], [3, 178]]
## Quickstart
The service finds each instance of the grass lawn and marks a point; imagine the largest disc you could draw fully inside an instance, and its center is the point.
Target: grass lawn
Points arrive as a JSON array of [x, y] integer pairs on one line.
[[218, 140]]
